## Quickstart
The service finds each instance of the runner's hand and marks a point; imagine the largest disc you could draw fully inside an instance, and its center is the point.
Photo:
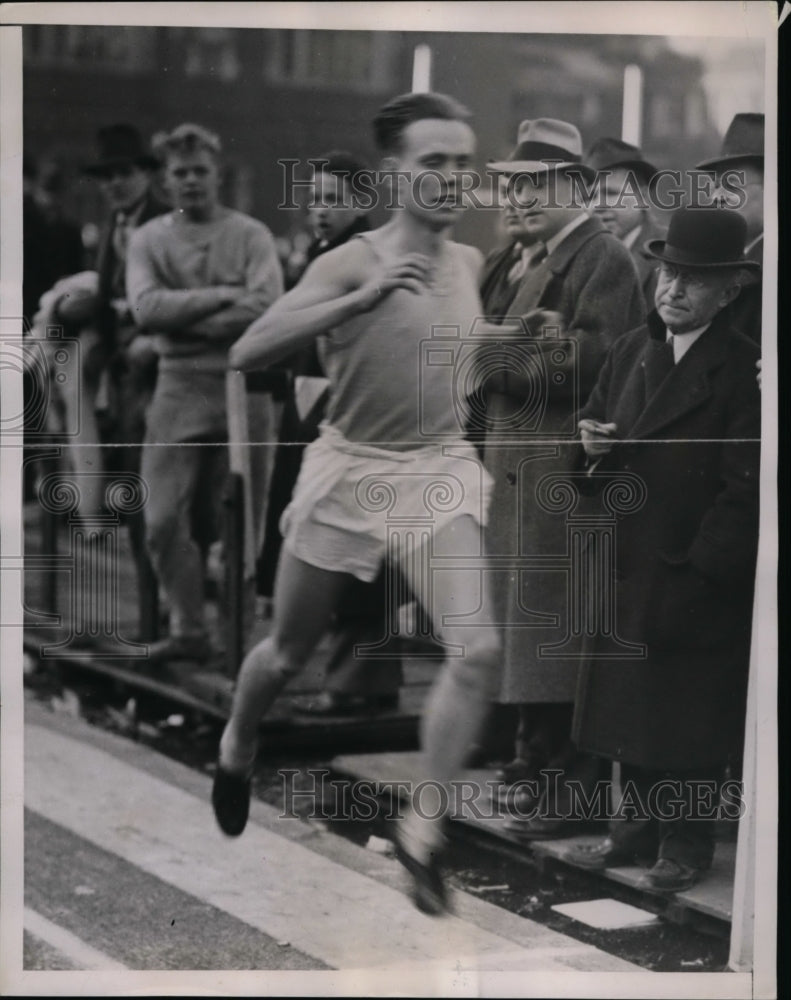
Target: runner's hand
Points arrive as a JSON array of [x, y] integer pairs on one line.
[[410, 272]]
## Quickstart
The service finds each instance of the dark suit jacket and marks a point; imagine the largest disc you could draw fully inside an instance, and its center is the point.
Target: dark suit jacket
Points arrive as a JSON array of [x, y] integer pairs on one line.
[[745, 310], [112, 279], [497, 292], [685, 560], [591, 280], [646, 264]]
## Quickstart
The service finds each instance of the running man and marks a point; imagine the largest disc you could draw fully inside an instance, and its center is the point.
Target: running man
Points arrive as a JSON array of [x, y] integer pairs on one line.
[[370, 303]]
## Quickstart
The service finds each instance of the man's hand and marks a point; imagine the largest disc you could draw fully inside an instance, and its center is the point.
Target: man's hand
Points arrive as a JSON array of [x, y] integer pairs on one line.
[[412, 272], [76, 307], [545, 323], [597, 439], [230, 295]]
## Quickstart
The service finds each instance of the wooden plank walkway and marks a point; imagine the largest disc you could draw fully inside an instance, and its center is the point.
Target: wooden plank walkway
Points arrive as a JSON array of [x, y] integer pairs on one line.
[[209, 689], [710, 899]]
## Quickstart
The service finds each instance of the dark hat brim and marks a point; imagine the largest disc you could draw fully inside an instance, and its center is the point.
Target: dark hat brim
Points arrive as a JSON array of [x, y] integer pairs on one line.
[[643, 167], [536, 167], [99, 169], [658, 250], [718, 161]]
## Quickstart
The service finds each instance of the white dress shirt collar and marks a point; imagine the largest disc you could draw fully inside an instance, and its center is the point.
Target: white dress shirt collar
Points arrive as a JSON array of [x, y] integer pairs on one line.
[[683, 341], [631, 237]]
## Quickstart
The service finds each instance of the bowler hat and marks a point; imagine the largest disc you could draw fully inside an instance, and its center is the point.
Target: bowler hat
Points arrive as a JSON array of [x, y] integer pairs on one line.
[[120, 145], [744, 140], [611, 154], [711, 237], [545, 144]]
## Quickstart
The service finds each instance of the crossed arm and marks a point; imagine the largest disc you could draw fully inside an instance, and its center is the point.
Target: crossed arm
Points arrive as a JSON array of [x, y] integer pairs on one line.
[[210, 312]]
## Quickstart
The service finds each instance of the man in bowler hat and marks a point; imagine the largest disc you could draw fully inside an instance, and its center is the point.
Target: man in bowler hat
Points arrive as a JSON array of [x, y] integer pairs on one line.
[[118, 368], [740, 167], [676, 409], [125, 170]]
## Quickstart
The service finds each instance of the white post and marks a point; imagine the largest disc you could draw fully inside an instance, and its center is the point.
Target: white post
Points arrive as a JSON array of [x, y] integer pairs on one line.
[[743, 920], [239, 458], [421, 69], [631, 130]]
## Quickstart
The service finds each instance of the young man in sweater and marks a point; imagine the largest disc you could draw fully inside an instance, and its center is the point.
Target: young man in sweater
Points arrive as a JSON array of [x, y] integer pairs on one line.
[[196, 279]]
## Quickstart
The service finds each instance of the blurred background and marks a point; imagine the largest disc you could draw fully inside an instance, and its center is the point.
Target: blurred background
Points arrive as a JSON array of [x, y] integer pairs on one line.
[[288, 93]]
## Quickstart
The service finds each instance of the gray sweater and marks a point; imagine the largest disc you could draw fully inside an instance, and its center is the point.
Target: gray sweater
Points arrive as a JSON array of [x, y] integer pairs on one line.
[[177, 275]]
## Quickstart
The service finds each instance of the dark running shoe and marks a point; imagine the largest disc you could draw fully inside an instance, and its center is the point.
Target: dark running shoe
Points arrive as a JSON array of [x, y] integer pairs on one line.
[[230, 797], [428, 891]]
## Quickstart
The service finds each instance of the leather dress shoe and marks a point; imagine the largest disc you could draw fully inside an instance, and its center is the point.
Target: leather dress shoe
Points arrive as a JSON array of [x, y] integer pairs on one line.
[[520, 769], [428, 889], [230, 798], [668, 875], [606, 853], [180, 647]]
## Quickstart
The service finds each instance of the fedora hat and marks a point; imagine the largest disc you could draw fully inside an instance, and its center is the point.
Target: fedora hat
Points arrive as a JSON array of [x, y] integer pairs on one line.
[[744, 140], [544, 144], [611, 154], [120, 145], [704, 237]]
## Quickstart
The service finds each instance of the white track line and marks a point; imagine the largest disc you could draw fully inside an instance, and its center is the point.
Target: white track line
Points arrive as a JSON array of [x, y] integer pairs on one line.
[[73, 948]]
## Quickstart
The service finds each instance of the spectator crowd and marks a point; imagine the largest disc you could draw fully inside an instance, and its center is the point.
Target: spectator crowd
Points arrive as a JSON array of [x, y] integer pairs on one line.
[[619, 355]]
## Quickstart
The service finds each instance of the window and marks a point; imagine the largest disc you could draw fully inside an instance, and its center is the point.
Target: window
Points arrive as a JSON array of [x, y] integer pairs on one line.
[[85, 47], [664, 122], [356, 60], [694, 114], [211, 52]]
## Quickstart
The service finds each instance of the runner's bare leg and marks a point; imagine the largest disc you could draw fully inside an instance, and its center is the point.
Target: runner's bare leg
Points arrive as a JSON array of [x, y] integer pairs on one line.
[[305, 600], [461, 697]]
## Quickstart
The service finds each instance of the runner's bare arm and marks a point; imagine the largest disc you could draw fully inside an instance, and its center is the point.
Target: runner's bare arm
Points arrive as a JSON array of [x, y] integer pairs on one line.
[[337, 286]]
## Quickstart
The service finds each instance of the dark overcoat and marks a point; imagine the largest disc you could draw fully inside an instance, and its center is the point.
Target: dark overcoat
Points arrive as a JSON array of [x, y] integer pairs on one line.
[[744, 312], [112, 273], [591, 281], [685, 560], [646, 264]]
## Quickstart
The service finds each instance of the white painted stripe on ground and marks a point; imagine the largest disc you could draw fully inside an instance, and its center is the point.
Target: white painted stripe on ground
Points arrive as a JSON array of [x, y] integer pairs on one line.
[[79, 954], [324, 909]]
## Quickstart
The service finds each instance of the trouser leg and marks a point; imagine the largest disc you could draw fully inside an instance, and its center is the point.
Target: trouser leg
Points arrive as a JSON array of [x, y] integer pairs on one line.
[[690, 802], [171, 473]]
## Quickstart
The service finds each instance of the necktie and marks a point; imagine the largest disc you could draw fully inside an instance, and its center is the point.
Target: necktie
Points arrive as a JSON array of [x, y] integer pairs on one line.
[[660, 363], [529, 258], [121, 235]]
